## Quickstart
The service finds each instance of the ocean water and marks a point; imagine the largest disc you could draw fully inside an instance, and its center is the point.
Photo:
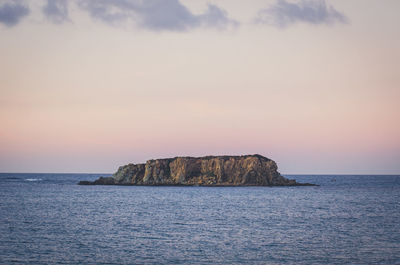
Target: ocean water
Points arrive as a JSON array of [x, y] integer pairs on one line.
[[48, 219]]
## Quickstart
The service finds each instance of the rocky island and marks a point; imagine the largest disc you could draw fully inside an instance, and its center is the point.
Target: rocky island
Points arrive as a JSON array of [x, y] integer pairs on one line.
[[247, 170]]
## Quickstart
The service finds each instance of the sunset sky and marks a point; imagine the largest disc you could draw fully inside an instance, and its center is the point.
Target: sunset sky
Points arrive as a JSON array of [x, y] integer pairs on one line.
[[87, 86]]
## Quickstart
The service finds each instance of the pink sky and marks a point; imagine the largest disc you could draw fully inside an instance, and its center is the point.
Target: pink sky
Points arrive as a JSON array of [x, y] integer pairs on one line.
[[81, 94]]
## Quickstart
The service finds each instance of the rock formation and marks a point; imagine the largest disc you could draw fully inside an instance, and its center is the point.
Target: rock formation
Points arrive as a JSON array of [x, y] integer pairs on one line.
[[248, 170]]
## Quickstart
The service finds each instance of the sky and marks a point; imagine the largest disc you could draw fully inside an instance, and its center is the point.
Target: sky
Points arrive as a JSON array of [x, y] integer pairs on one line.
[[89, 85]]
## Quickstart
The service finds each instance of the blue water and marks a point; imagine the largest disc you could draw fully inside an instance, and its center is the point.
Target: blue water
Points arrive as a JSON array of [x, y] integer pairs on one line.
[[48, 219]]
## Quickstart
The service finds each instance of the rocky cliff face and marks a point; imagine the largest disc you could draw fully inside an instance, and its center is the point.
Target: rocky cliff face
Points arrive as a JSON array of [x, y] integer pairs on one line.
[[249, 170]]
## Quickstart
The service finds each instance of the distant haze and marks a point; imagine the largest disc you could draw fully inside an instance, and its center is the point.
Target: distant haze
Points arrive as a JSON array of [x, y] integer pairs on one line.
[[87, 86]]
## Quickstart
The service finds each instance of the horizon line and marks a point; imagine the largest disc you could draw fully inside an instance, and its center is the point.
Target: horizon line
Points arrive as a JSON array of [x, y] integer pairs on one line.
[[287, 174]]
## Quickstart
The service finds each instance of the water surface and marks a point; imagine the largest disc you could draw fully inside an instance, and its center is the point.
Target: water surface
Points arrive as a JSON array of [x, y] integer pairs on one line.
[[47, 218]]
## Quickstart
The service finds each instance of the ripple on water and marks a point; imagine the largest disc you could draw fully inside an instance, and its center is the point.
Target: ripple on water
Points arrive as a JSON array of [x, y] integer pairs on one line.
[[352, 220]]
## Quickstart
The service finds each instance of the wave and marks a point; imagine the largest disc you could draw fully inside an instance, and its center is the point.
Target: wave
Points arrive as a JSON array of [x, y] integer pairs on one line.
[[33, 179]]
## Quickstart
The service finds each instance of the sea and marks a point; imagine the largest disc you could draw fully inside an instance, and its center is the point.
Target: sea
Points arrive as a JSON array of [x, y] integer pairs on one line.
[[348, 219]]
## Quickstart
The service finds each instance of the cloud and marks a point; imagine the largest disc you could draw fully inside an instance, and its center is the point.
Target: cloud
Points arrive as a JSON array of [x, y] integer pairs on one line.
[[56, 11], [12, 12], [157, 15], [217, 17], [283, 13]]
